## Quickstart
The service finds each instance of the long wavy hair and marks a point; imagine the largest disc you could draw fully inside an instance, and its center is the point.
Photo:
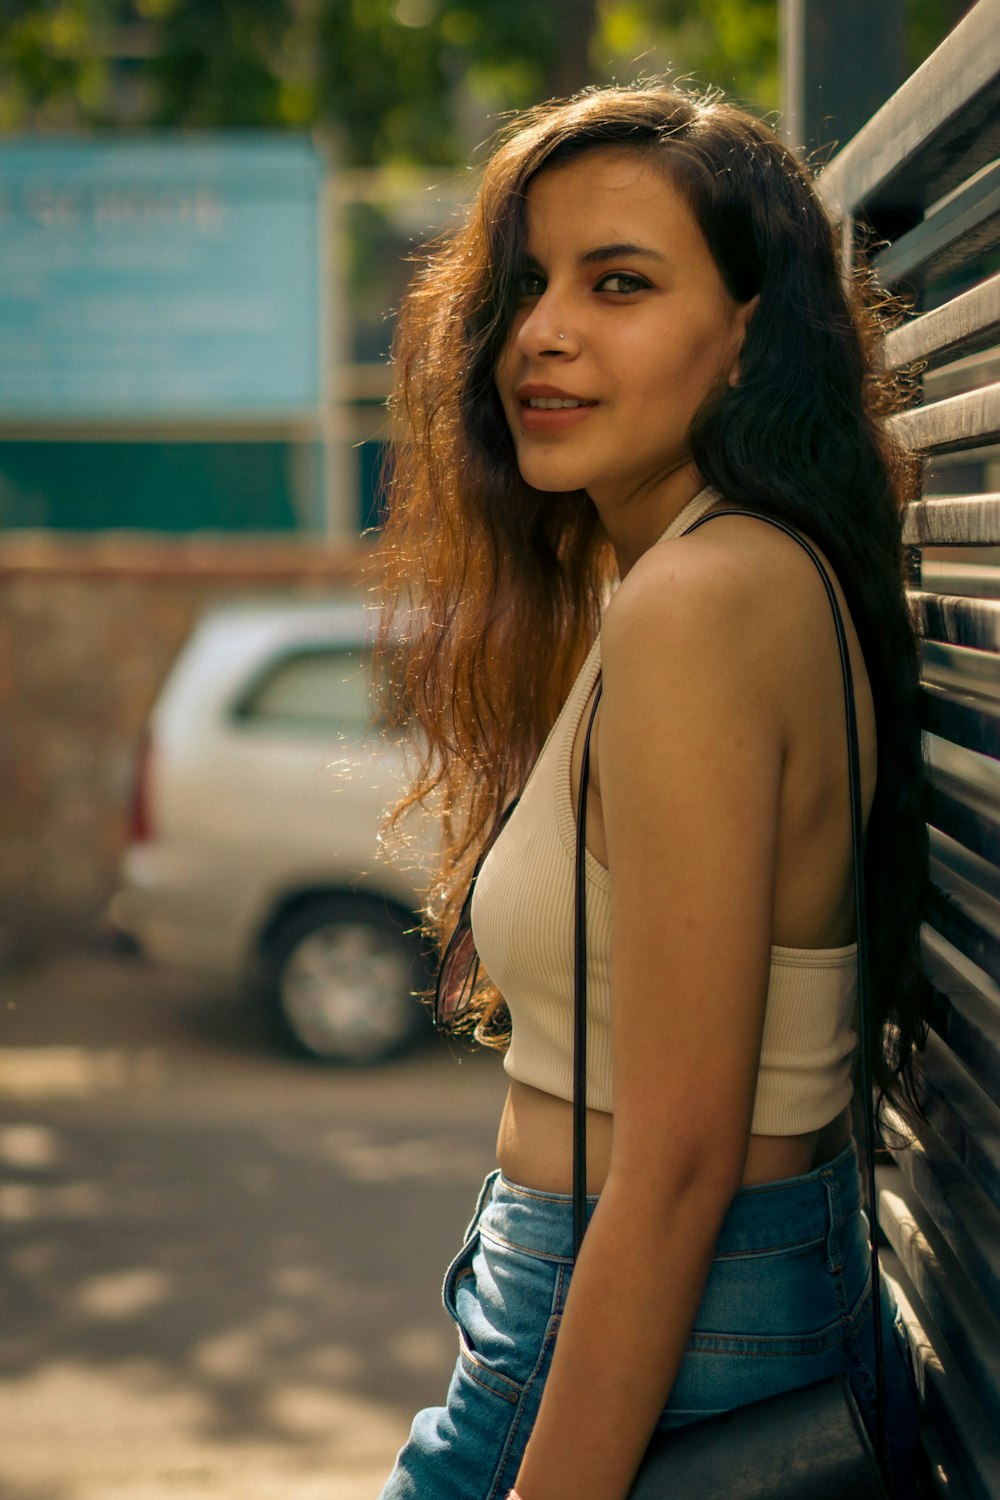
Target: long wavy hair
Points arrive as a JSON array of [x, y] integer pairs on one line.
[[503, 585]]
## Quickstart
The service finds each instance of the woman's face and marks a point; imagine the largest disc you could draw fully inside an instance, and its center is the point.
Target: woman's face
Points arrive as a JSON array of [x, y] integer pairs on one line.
[[623, 326]]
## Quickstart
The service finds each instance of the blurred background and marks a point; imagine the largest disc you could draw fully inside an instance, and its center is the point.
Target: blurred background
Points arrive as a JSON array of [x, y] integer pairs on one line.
[[207, 213], [222, 1261]]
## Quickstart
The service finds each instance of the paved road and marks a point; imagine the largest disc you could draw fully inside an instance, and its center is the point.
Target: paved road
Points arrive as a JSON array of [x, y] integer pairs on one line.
[[221, 1268]]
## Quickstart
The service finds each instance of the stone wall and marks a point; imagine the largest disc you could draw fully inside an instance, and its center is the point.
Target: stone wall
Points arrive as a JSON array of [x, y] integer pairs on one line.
[[89, 626]]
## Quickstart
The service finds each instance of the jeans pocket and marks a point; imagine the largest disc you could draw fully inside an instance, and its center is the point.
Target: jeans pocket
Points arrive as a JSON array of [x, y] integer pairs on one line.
[[505, 1305], [460, 1267]]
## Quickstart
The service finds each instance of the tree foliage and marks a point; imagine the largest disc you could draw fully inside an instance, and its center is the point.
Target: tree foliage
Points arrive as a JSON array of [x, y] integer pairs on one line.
[[731, 44], [398, 80]]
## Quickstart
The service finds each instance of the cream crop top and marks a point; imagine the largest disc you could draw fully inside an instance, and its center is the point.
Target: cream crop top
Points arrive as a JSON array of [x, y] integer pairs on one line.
[[522, 918]]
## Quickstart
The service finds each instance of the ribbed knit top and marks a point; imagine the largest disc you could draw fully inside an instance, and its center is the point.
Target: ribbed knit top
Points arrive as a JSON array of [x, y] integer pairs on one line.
[[522, 918]]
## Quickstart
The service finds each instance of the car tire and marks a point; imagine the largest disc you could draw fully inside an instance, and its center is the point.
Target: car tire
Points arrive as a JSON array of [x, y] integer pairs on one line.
[[340, 977]]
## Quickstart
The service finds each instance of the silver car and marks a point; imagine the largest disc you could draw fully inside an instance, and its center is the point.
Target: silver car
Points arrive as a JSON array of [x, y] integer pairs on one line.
[[255, 830]]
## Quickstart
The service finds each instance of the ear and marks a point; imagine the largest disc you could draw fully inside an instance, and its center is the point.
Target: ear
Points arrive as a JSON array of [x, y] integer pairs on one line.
[[741, 322]]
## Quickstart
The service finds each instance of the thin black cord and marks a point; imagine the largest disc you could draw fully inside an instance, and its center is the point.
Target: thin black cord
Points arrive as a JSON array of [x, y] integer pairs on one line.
[[857, 840], [580, 993], [580, 962]]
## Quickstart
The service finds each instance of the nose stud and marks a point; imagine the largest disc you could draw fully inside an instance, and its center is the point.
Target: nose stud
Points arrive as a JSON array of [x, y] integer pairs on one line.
[[560, 335]]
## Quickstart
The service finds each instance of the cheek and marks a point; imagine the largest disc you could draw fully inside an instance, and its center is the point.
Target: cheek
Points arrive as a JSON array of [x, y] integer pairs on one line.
[[684, 363], [503, 375]]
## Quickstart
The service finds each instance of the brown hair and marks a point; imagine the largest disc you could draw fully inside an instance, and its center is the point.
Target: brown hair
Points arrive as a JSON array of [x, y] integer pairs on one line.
[[504, 584]]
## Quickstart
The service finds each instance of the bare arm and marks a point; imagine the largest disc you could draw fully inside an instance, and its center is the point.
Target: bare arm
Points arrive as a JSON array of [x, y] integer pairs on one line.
[[691, 751]]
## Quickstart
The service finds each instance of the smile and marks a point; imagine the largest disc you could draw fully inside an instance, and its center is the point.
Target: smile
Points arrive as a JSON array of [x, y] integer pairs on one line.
[[554, 403]]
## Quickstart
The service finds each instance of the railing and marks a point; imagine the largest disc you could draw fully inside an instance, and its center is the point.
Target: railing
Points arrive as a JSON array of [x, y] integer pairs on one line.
[[924, 175]]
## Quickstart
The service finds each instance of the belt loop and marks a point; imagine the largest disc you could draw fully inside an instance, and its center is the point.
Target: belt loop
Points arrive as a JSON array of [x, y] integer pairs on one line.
[[834, 1259], [484, 1197]]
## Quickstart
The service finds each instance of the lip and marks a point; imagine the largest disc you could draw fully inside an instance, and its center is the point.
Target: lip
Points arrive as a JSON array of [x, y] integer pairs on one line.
[[555, 419], [551, 392]]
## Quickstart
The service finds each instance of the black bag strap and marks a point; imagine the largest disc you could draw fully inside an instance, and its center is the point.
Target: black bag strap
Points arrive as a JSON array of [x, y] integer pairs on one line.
[[857, 844]]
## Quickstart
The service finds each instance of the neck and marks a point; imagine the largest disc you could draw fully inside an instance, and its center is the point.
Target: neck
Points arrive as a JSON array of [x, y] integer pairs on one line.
[[636, 522]]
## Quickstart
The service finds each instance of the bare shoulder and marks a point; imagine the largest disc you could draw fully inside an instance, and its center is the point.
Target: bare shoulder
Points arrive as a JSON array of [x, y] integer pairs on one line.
[[734, 594]]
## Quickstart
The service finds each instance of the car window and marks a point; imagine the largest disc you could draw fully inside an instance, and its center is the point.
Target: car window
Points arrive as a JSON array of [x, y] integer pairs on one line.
[[319, 688]]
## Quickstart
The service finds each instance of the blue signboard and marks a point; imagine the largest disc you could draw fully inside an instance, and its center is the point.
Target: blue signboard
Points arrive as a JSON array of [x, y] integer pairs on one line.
[[162, 278]]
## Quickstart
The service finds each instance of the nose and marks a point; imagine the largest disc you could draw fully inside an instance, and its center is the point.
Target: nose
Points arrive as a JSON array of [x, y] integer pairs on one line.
[[546, 329]]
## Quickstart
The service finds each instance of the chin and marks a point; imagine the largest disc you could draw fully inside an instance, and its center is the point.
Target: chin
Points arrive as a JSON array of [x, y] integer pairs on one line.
[[551, 479]]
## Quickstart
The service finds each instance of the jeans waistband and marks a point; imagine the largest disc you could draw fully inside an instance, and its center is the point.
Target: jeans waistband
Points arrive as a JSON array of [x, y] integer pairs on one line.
[[767, 1216]]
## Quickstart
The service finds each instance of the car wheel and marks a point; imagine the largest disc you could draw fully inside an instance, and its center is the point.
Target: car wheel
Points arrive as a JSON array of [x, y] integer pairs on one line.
[[341, 975]]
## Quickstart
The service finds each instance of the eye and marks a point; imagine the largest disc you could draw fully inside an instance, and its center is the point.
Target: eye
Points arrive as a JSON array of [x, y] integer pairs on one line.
[[528, 283], [622, 282]]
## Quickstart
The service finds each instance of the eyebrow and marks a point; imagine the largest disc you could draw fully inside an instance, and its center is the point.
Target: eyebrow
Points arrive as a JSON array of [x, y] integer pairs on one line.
[[615, 252], [602, 253]]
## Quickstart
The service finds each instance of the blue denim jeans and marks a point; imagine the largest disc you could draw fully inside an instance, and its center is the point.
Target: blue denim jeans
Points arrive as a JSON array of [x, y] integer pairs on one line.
[[787, 1301]]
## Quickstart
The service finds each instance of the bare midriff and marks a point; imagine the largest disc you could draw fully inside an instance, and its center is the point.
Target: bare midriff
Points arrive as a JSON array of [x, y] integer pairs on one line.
[[535, 1145]]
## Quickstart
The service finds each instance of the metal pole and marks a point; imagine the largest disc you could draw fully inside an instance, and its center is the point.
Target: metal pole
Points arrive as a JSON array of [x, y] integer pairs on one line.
[[840, 61], [791, 49], [340, 468]]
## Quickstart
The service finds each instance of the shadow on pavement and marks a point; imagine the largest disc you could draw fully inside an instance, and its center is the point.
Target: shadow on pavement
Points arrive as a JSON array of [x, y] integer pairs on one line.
[[223, 1251]]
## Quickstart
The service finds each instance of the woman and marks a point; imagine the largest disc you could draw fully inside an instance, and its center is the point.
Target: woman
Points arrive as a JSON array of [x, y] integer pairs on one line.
[[643, 322]]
